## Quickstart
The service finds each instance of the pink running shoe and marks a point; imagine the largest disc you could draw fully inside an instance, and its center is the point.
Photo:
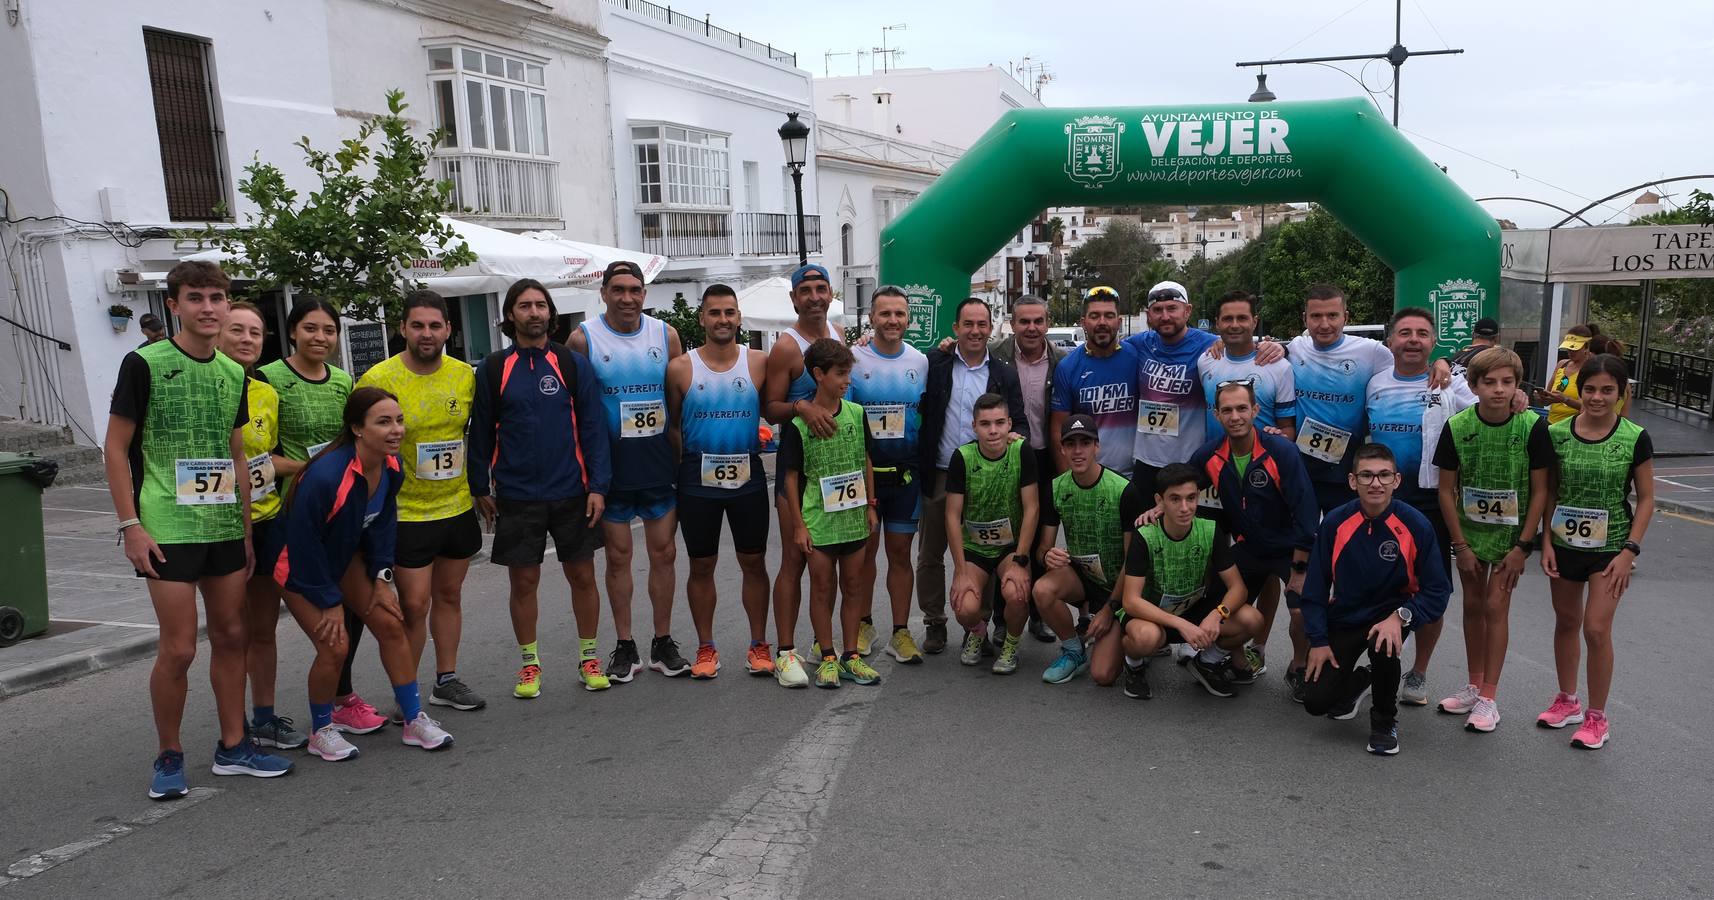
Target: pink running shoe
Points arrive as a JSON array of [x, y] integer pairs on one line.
[[1566, 710], [354, 716], [426, 733], [1593, 733], [1484, 716], [1462, 702]]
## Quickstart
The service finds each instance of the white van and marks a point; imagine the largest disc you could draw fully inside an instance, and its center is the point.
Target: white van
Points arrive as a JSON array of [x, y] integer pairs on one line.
[[1067, 336]]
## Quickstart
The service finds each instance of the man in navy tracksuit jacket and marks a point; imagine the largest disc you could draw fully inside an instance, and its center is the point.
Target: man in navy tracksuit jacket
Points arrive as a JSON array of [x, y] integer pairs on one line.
[[1374, 576]]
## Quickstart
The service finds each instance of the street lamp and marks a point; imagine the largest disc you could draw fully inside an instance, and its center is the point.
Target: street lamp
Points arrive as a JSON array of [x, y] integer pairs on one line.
[[1262, 94], [794, 135]]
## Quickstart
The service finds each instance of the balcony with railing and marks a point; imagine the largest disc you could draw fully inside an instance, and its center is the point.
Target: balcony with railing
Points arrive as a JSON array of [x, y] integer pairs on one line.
[[707, 29], [677, 235], [498, 186], [774, 234]]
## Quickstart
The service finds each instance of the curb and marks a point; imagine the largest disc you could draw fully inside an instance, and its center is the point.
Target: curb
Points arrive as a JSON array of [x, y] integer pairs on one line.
[[70, 666], [1688, 510]]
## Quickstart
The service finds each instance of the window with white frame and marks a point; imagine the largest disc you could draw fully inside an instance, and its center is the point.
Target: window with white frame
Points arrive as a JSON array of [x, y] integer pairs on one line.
[[489, 101], [682, 166]]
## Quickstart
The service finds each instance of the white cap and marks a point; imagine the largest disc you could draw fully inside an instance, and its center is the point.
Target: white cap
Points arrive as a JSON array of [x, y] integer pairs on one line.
[[1183, 294]]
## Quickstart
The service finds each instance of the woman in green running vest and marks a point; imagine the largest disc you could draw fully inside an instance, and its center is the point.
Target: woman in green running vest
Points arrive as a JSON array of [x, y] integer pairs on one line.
[[1596, 538], [830, 491], [991, 500], [1493, 489]]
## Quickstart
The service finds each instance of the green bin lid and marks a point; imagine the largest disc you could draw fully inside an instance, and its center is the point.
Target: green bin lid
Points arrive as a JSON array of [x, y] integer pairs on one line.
[[13, 463]]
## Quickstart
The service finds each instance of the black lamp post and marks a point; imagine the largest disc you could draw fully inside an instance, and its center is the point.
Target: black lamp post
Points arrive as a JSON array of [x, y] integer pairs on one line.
[[795, 136]]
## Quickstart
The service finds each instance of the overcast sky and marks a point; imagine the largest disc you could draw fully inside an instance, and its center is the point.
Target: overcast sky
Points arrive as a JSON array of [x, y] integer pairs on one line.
[[1580, 98]]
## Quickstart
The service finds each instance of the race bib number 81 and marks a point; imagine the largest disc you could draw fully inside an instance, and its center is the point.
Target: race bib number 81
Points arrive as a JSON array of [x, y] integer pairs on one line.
[[1323, 441]]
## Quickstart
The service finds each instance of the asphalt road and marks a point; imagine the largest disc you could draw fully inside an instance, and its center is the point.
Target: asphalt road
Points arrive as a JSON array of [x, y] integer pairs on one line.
[[940, 782]]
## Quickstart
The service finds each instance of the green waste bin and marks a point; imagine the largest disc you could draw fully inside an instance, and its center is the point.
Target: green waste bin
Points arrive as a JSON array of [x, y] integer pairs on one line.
[[23, 556]]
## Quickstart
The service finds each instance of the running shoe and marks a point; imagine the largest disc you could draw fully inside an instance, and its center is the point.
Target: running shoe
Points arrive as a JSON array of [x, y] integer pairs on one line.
[[1484, 716], [1137, 682], [934, 637], [167, 783], [330, 745], [1413, 690], [426, 733], [1252, 670], [248, 759], [665, 658], [1182, 653], [1384, 741], [1461, 703], [759, 660], [1257, 659], [1216, 678], [974, 641], [1592, 734], [1039, 630], [457, 695], [903, 648], [788, 670], [707, 663], [866, 638], [592, 677], [1070, 664], [397, 715], [623, 663], [1566, 710], [1350, 711], [1007, 662], [858, 671], [529, 685], [354, 716], [827, 673], [278, 732], [1296, 684]]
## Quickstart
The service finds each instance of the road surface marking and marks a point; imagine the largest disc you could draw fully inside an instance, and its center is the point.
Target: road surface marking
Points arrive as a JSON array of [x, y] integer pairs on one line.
[[148, 625], [757, 844], [31, 866]]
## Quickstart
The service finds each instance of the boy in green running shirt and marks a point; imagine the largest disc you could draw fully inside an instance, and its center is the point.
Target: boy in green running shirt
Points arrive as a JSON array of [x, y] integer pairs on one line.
[[991, 500], [1091, 503], [1493, 490], [1182, 586], [830, 494]]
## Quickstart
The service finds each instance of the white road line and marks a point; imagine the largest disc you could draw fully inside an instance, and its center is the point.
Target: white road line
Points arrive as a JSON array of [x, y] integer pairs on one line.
[[85, 487], [758, 843], [78, 537], [53, 572], [97, 622], [31, 866], [87, 512], [1678, 484]]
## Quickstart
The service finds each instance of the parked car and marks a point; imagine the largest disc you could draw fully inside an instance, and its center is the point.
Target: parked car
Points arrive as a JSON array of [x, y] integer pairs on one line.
[[1067, 336]]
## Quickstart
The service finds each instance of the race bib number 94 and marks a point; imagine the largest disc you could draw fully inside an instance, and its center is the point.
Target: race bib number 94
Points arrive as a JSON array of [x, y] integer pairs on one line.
[[1491, 507], [205, 482]]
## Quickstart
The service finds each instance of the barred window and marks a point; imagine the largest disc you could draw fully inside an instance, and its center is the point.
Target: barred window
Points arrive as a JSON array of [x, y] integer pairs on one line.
[[187, 125]]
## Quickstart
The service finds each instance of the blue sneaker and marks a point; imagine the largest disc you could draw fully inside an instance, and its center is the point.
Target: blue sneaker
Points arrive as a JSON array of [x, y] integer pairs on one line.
[[168, 783], [1069, 665], [248, 759]]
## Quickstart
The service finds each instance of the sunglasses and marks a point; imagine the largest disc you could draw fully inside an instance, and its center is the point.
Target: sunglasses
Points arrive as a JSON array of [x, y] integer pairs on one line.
[[1102, 292], [1249, 381], [1165, 295]]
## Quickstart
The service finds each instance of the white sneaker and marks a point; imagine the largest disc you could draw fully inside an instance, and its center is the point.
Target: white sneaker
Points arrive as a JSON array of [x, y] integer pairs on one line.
[[788, 671], [329, 744], [426, 733], [1413, 690], [1484, 716], [1462, 702]]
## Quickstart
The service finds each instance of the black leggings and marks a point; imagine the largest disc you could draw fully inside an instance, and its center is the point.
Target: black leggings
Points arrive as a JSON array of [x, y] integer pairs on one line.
[[1333, 690], [353, 633]]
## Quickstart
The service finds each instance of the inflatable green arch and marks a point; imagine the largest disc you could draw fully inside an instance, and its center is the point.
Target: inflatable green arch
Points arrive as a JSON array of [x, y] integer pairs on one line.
[[1444, 249]]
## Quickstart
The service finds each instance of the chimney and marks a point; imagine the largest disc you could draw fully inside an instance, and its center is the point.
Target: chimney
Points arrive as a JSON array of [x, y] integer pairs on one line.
[[844, 102], [883, 112]]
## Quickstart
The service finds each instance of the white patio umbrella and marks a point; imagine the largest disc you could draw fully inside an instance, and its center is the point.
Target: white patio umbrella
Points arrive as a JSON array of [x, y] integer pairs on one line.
[[767, 306], [596, 258]]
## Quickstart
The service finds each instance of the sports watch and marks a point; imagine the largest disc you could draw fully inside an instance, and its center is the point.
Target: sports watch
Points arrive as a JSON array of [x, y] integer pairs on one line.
[[1404, 615], [1021, 559], [385, 575]]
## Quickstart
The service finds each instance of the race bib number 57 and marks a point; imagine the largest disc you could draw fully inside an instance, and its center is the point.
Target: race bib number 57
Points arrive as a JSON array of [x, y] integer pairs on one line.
[[205, 482]]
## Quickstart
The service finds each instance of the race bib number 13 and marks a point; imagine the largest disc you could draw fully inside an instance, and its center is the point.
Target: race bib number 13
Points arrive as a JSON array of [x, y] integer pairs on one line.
[[205, 482], [440, 460]]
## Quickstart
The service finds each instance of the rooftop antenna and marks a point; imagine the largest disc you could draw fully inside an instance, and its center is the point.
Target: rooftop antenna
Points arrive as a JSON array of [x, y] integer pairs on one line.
[[882, 50]]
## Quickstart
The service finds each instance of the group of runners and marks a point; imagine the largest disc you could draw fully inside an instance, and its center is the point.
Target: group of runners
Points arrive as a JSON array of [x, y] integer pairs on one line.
[[1123, 499]]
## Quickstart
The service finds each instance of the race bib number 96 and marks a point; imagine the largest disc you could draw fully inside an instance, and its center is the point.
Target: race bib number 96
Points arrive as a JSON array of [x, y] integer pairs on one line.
[[1585, 529]]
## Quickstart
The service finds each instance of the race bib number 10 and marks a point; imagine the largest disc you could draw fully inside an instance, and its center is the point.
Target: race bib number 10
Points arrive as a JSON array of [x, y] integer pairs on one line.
[[1323, 441], [205, 482]]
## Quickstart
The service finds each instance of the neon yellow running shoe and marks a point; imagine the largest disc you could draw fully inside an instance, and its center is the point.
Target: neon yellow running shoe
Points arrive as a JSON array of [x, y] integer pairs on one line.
[[529, 685], [866, 638], [854, 669], [904, 648], [593, 678], [827, 674]]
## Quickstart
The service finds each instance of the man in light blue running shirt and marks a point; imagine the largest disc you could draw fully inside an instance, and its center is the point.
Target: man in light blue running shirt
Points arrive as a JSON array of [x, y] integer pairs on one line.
[[1099, 379]]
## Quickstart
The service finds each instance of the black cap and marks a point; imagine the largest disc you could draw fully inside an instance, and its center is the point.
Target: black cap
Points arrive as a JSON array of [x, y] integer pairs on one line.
[[1079, 424], [622, 267], [1487, 328], [151, 322]]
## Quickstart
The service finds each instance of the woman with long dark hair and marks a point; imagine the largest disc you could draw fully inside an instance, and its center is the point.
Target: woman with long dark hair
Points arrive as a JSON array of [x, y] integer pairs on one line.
[[341, 525]]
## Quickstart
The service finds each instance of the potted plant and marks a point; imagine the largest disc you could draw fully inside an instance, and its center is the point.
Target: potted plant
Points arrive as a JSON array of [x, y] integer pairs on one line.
[[120, 315]]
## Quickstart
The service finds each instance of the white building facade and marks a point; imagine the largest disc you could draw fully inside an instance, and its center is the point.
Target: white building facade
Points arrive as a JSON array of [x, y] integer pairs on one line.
[[190, 91]]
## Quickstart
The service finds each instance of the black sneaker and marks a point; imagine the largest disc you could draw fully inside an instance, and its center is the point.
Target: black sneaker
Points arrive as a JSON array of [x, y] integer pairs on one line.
[[1296, 684], [934, 637], [1384, 741], [1349, 711], [1040, 631], [1216, 678], [457, 695], [624, 664], [664, 657], [1137, 682]]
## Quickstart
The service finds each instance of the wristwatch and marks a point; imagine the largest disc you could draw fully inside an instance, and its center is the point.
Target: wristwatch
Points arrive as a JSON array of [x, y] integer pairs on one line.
[[1300, 565], [1404, 615], [1635, 548], [1021, 559], [1527, 547], [385, 575]]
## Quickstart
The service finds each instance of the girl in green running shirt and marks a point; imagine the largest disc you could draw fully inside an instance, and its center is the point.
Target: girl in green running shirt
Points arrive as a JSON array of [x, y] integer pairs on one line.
[[830, 499], [312, 390], [1493, 488], [1595, 539]]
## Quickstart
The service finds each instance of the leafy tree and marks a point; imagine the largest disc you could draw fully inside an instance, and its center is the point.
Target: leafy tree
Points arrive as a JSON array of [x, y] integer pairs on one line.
[[1321, 249], [1114, 258], [1684, 307], [354, 239]]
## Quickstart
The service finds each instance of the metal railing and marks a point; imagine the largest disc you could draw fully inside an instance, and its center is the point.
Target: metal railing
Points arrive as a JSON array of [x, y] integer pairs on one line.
[[775, 234], [687, 234], [707, 29], [1683, 380], [508, 187]]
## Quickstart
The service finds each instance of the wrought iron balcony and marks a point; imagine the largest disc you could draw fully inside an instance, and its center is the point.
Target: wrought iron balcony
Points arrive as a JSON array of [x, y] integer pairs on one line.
[[500, 186]]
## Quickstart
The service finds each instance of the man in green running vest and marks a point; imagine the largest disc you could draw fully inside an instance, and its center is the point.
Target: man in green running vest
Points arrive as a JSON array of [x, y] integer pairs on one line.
[[991, 501], [1182, 587], [1091, 502]]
